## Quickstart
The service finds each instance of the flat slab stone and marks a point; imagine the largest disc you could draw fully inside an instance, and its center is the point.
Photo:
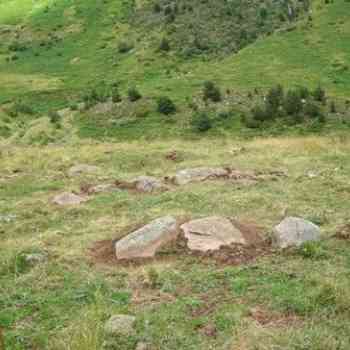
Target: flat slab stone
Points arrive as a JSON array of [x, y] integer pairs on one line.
[[83, 169], [146, 184], [186, 176], [146, 241], [68, 198], [211, 233], [103, 188], [120, 325], [293, 231]]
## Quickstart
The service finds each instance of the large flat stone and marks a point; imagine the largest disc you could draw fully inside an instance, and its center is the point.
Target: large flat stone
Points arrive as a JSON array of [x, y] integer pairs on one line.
[[146, 241], [186, 176], [211, 233], [68, 198], [294, 231]]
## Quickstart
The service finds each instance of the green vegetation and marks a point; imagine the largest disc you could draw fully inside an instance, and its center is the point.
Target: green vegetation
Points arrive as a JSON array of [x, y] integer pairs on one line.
[[148, 88]]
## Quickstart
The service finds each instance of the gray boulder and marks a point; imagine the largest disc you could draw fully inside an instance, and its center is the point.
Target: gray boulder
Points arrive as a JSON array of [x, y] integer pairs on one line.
[[186, 176], [120, 325], [146, 241], [211, 233], [294, 231]]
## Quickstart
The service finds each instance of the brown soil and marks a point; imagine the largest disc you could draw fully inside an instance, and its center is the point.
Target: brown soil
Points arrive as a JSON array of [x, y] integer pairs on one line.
[[268, 318], [103, 252], [343, 232]]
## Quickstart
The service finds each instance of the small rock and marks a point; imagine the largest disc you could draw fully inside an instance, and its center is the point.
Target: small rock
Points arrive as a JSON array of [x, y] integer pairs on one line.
[[7, 218], [35, 258], [186, 176], [103, 188], [141, 346], [148, 184], [103, 107], [145, 242], [68, 198], [120, 325], [211, 233], [294, 231], [83, 169], [311, 174]]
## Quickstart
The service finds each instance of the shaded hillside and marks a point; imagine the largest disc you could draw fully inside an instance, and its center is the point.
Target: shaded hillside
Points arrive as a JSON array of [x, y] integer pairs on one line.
[[215, 26]]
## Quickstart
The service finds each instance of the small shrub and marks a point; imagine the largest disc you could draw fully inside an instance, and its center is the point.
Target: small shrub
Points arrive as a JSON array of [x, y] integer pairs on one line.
[[201, 122], [292, 103], [319, 94], [164, 45], [304, 92], [332, 107], [166, 105], [312, 109], [259, 114], [133, 94], [124, 47], [157, 8], [274, 98], [116, 95], [225, 115], [211, 92], [54, 117]]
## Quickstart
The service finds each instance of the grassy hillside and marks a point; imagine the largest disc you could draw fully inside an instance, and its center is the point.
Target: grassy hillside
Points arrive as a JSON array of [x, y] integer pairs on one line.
[[69, 45], [68, 74]]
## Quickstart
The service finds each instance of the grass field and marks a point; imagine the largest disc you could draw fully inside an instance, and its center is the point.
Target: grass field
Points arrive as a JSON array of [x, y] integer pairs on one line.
[[52, 52], [292, 300]]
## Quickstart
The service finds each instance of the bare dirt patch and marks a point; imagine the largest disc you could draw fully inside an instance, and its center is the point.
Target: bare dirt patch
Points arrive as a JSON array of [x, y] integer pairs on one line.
[[343, 232], [269, 318], [103, 252]]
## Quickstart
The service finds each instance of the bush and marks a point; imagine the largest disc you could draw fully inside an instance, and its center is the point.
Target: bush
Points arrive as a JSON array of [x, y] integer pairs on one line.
[[312, 109], [319, 94], [134, 94], [211, 92], [116, 95], [164, 45], [292, 103], [259, 114], [333, 107], [54, 117], [124, 47], [274, 98], [20, 107], [201, 122], [166, 105]]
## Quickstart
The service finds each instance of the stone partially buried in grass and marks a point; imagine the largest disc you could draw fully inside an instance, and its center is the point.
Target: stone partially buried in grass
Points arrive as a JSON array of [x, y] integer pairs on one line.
[[146, 184], [146, 241], [293, 232], [82, 169], [120, 325], [186, 176], [209, 234], [68, 198]]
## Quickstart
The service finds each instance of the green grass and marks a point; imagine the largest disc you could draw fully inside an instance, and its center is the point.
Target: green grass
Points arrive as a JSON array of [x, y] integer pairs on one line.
[[180, 302], [63, 302]]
